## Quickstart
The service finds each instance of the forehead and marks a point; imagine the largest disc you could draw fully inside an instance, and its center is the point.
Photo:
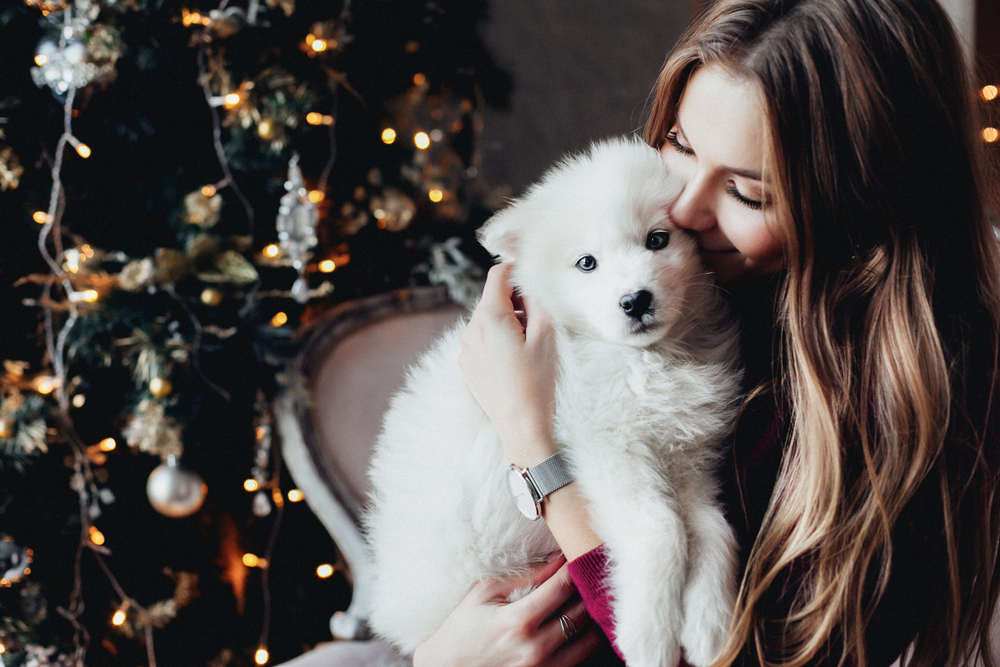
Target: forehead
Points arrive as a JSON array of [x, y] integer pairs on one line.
[[722, 118]]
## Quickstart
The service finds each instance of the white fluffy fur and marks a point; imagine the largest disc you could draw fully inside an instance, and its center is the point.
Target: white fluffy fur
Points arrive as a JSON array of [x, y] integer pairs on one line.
[[641, 410]]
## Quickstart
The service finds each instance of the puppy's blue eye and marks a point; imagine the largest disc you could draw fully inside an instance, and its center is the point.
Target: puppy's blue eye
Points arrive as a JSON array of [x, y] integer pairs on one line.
[[657, 240], [587, 263]]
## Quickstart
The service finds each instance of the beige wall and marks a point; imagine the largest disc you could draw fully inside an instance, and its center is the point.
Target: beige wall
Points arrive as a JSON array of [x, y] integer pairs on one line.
[[583, 70]]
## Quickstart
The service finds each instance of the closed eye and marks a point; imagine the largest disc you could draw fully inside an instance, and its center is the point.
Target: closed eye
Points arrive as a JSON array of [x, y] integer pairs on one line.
[[746, 201], [677, 145]]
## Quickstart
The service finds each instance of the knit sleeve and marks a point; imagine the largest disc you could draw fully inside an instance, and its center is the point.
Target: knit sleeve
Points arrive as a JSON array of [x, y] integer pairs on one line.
[[590, 574]]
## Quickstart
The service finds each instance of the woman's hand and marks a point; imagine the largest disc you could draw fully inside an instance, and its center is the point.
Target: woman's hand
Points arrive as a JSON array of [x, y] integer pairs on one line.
[[485, 630], [510, 368]]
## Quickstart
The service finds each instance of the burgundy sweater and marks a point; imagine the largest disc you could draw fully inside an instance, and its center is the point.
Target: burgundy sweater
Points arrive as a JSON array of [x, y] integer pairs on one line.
[[918, 581]]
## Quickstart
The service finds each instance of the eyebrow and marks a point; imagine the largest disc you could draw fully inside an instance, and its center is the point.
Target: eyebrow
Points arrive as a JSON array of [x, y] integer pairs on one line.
[[743, 173]]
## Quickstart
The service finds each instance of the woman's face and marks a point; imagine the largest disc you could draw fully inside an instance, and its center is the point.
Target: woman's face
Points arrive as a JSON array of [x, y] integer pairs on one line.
[[716, 147]]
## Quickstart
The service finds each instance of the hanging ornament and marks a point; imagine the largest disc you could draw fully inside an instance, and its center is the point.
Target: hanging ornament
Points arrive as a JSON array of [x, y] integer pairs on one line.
[[262, 457], [160, 387], [393, 210], [175, 491], [296, 225], [79, 53], [14, 561], [261, 504], [211, 296]]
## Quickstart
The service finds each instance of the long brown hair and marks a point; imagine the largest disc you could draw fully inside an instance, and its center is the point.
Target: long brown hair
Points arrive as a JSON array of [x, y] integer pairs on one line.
[[889, 313]]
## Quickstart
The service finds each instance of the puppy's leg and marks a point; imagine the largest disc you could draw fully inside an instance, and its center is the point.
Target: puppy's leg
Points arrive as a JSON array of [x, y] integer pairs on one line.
[[647, 542], [710, 593]]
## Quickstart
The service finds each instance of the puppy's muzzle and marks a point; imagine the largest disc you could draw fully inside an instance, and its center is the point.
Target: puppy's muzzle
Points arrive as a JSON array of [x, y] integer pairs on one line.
[[636, 304]]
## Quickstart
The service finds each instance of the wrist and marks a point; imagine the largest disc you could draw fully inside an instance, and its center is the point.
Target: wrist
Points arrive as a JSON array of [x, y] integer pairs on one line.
[[528, 448]]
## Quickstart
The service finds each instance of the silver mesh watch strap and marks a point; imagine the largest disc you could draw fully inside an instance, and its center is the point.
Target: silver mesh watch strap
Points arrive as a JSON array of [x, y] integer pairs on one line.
[[549, 475]]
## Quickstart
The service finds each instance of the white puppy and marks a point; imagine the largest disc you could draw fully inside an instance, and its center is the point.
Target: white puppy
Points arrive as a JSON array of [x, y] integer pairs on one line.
[[647, 389]]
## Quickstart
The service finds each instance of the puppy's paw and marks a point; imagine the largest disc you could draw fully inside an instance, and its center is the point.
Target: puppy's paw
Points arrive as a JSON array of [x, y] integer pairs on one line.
[[704, 634], [643, 650]]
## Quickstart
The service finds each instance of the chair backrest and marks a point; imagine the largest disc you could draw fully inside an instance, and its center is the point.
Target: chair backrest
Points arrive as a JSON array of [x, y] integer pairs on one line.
[[355, 358]]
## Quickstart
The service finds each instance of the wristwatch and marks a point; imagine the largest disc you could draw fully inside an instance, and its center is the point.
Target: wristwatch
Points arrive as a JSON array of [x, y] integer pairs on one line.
[[530, 486]]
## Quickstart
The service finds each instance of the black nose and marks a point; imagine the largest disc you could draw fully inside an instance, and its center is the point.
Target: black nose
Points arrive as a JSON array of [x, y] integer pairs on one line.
[[636, 304]]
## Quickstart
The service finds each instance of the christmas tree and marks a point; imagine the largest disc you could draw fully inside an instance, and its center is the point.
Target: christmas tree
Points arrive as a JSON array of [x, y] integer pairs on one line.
[[183, 187]]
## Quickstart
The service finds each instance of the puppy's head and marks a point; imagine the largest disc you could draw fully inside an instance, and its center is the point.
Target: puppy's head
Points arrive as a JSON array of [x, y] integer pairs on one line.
[[592, 243]]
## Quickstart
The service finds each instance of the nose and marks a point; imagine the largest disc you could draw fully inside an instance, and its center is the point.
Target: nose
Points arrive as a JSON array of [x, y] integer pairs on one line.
[[694, 208], [636, 304]]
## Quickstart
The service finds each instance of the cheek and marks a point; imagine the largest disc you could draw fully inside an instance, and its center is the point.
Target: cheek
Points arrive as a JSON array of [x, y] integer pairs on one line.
[[753, 237], [676, 164]]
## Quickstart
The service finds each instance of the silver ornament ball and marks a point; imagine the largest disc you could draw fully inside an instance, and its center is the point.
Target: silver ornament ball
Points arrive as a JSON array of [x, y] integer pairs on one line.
[[175, 491]]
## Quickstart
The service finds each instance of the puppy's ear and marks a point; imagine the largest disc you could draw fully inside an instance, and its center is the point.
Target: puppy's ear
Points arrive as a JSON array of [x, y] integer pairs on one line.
[[500, 235]]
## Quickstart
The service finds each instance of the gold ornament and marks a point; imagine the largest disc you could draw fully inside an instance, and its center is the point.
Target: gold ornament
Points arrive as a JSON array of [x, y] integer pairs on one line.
[[393, 210], [160, 387], [10, 169], [151, 431], [171, 265], [201, 210], [211, 296], [137, 274]]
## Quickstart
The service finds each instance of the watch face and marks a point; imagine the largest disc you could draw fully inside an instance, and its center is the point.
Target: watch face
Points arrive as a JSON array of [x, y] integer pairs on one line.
[[520, 491]]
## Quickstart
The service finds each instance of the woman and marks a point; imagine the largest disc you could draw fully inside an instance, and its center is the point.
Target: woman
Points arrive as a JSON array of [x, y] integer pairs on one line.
[[834, 183]]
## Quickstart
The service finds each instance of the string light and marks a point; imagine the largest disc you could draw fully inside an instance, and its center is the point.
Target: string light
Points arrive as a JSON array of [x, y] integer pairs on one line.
[[294, 496], [324, 571], [41, 59], [87, 250], [251, 560], [41, 217], [79, 400], [388, 135], [232, 99], [45, 385], [118, 618], [419, 79], [261, 656], [193, 18], [326, 266], [314, 118], [3, 649], [82, 149], [318, 45], [435, 195], [272, 250], [989, 93], [316, 196], [991, 134], [251, 485], [265, 129], [96, 536], [208, 190], [107, 445], [91, 295], [421, 140], [279, 319]]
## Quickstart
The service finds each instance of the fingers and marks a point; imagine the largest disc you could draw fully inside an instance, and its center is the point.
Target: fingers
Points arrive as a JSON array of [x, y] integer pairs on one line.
[[578, 649], [539, 324], [497, 291], [550, 595], [572, 639]]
